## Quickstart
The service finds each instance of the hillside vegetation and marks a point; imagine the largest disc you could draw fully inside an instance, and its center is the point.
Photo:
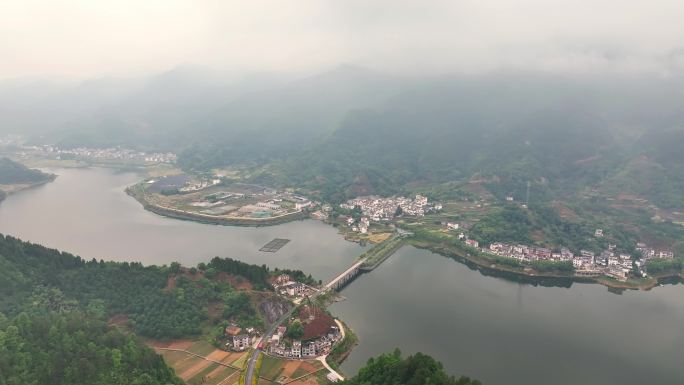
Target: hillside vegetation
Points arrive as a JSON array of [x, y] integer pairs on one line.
[[32, 275], [15, 173], [72, 348], [53, 308], [417, 369]]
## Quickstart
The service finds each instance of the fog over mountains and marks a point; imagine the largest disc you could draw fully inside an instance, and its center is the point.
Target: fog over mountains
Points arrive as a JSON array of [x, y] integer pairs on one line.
[[351, 123]]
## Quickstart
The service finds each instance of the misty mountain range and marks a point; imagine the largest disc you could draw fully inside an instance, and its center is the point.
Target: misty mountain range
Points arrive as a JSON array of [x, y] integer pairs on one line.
[[352, 131]]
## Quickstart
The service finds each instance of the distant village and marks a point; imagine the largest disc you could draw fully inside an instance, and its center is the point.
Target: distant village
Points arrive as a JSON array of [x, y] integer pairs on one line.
[[609, 262], [380, 209], [104, 154]]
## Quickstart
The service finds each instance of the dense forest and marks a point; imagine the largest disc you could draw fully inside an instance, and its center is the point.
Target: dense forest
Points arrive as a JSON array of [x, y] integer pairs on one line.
[[74, 348], [13, 173], [32, 274], [257, 275], [417, 369]]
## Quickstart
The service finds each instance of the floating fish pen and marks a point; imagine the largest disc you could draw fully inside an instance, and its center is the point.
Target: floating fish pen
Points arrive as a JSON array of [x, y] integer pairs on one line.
[[274, 245]]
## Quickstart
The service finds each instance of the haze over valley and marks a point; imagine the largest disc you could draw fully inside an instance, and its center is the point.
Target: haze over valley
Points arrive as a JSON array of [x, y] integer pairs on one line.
[[384, 192]]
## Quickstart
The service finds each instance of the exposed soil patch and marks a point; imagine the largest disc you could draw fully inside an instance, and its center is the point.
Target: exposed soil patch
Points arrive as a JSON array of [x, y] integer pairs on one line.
[[119, 320], [170, 283], [218, 355], [307, 381], [237, 282], [290, 368], [316, 322], [177, 344], [193, 370], [564, 212]]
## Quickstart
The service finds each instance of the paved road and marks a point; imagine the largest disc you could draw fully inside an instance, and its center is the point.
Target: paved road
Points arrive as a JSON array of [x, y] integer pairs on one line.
[[250, 367], [264, 338], [324, 359], [267, 336]]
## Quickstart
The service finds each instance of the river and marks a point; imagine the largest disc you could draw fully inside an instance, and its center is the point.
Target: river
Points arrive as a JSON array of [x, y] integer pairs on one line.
[[498, 331]]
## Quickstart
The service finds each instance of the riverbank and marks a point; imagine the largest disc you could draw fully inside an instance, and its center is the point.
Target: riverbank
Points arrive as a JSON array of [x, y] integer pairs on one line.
[[138, 195], [344, 348], [7, 190], [527, 275]]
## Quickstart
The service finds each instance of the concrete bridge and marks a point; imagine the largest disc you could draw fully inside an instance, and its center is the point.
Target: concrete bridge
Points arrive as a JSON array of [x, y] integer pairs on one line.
[[346, 276], [368, 261]]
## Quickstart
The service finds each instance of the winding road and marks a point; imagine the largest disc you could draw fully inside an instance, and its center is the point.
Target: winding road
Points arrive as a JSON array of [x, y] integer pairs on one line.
[[264, 338]]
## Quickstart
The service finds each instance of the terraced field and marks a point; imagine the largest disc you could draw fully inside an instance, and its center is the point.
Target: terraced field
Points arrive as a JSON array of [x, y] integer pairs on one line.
[[275, 370], [212, 367]]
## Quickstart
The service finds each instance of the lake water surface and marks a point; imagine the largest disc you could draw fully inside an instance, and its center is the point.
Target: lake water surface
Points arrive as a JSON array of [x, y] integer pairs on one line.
[[498, 331]]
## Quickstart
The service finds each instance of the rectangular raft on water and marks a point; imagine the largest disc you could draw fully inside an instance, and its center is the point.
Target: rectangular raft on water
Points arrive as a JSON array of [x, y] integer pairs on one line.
[[274, 245]]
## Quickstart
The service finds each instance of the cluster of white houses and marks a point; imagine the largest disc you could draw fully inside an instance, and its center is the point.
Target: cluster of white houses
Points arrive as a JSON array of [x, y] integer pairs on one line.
[[112, 153], [380, 209], [285, 286], [587, 263], [297, 349], [383, 209]]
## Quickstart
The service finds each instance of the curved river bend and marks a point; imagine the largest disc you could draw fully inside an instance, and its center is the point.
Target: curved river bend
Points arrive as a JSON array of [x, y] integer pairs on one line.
[[501, 332]]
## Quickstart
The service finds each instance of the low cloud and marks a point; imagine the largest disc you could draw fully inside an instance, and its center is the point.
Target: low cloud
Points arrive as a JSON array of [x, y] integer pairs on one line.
[[83, 38]]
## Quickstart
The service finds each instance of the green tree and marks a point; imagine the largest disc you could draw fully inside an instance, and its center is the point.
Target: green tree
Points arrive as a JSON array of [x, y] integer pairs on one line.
[[398, 212], [175, 268], [295, 330]]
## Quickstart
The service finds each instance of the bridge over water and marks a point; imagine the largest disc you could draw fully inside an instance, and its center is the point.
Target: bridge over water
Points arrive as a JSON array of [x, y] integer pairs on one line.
[[346, 276], [368, 261]]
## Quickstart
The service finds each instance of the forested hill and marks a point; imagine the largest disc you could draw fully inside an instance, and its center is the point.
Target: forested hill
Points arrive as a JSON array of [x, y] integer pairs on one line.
[[15, 173], [418, 369], [31, 274], [54, 307], [72, 348], [353, 131], [383, 152], [53, 329]]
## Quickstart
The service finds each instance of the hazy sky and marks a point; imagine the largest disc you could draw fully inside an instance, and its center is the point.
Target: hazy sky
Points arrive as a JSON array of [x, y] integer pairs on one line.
[[86, 38]]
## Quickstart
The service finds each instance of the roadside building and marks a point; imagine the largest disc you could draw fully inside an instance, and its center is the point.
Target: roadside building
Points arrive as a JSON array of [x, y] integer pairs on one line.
[[296, 349], [472, 243], [232, 330], [240, 342], [309, 350]]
